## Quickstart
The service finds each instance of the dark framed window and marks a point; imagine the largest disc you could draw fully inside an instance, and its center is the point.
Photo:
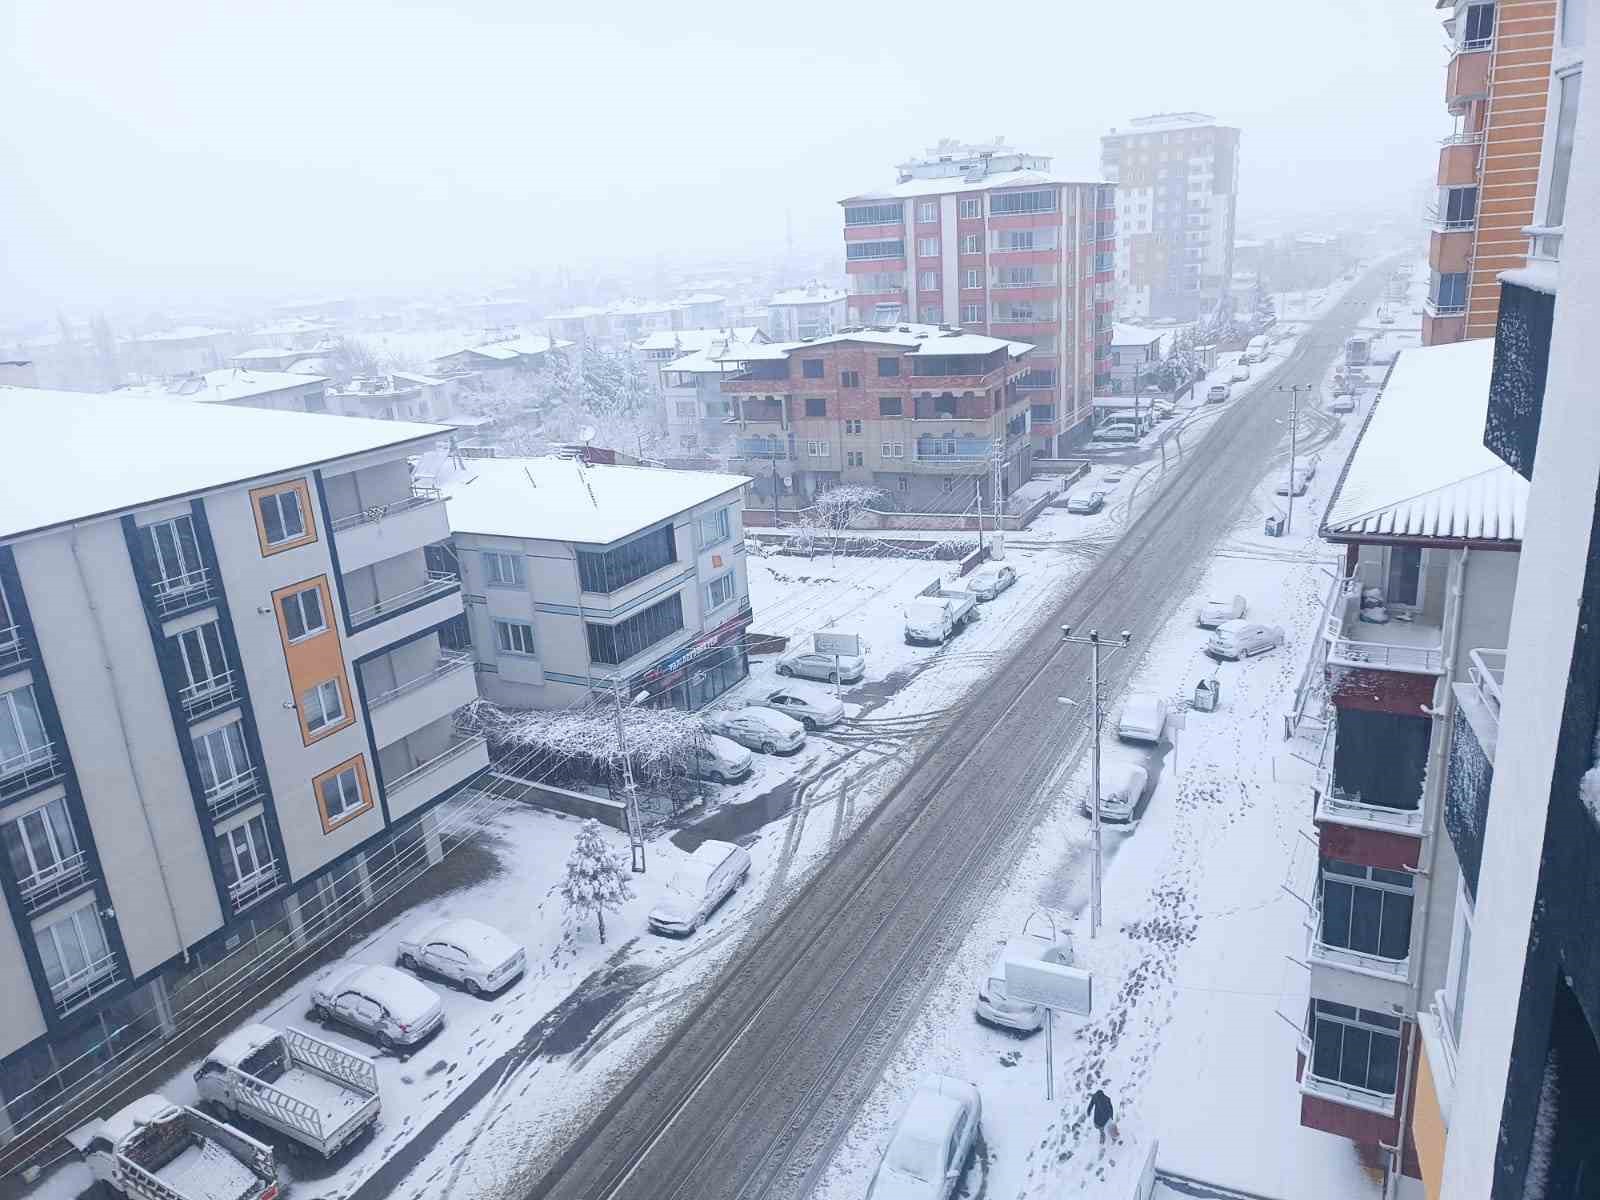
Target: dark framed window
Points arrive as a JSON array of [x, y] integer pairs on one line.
[[811, 368], [1023, 202], [888, 368], [1355, 1046], [872, 214], [849, 378], [1366, 910], [890, 406], [618, 643], [608, 570], [816, 406]]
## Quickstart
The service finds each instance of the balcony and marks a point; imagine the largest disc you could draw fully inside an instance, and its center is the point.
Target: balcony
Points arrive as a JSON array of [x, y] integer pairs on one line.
[[31, 769], [209, 695], [1321, 953], [963, 453], [1412, 645], [445, 687], [465, 757], [253, 887], [382, 531], [84, 985], [1341, 806], [180, 593], [13, 648], [764, 451], [235, 795], [46, 887], [1458, 160], [1467, 77], [438, 583]]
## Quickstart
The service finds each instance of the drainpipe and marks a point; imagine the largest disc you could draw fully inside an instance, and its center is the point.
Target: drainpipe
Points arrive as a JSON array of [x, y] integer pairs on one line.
[[1442, 713], [122, 728]]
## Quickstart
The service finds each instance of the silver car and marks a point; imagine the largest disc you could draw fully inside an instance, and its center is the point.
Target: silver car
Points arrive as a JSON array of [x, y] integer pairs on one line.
[[1241, 639], [994, 1007], [383, 1003], [813, 708], [477, 956], [830, 668], [758, 728], [989, 580], [932, 1142]]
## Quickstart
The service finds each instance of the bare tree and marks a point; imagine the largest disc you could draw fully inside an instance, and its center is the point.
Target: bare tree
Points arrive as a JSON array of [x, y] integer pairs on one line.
[[843, 503]]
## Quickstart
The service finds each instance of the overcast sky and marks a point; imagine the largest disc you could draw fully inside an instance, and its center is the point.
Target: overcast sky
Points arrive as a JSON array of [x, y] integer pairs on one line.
[[198, 146]]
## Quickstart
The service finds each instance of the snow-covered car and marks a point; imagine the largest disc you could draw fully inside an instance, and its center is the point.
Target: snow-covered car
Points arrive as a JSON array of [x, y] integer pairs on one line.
[[1086, 503], [1217, 393], [830, 668], [1345, 403], [758, 728], [994, 1007], [1240, 373], [989, 580], [719, 759], [1118, 432], [1241, 639], [812, 707], [931, 1144], [1121, 784], [706, 878], [1143, 718], [382, 1002], [1215, 611], [477, 956], [1300, 480]]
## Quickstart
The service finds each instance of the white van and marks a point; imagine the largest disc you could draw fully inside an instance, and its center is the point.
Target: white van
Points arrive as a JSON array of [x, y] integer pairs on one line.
[[1255, 351], [704, 881], [721, 759]]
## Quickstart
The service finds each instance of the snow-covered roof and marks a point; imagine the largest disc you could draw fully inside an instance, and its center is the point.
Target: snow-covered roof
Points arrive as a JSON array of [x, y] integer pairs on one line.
[[220, 386], [1161, 122], [716, 359], [184, 333], [268, 352], [563, 500], [948, 184], [701, 298], [510, 349], [1539, 275], [808, 295], [695, 339], [126, 450], [1133, 335], [919, 339], [418, 377], [1420, 468], [242, 1043], [141, 1112], [291, 326]]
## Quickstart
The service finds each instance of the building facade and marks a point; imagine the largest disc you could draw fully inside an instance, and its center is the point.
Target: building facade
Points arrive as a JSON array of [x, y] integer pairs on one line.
[[688, 373], [795, 314], [220, 682], [1177, 193], [985, 238], [241, 387]]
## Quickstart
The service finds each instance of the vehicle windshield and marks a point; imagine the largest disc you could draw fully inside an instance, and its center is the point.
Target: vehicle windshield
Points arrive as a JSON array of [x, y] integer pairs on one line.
[[914, 1153]]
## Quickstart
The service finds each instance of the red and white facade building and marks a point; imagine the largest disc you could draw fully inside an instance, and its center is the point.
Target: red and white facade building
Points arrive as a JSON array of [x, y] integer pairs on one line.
[[986, 238]]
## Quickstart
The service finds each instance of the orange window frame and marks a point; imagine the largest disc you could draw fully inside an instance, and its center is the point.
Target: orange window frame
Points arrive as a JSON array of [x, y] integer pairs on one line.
[[359, 762], [303, 491], [315, 659]]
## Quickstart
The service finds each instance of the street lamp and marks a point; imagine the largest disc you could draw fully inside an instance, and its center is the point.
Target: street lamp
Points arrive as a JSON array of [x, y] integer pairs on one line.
[[1294, 434], [1097, 647]]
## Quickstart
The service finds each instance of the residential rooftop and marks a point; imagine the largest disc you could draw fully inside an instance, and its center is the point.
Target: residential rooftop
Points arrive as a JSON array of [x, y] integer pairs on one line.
[[226, 385], [1163, 122], [946, 184], [1134, 335], [184, 333], [696, 339], [814, 294], [100, 454]]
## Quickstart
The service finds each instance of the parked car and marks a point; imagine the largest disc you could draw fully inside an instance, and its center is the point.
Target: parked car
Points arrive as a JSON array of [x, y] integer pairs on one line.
[[810, 663], [1116, 432], [1241, 639], [1342, 403], [386, 1004], [758, 728], [1143, 718], [812, 707], [1240, 373], [1122, 783], [989, 580], [931, 1144], [721, 759], [994, 1007], [1086, 503], [477, 956], [1217, 393], [1297, 483], [696, 888], [1215, 611]]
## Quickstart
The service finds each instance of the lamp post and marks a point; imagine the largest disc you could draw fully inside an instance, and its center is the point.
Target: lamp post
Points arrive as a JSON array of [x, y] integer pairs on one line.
[[1294, 443], [1097, 648]]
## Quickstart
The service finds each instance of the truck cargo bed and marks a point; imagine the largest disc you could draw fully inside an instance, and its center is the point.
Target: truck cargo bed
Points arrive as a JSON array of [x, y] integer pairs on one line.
[[206, 1171]]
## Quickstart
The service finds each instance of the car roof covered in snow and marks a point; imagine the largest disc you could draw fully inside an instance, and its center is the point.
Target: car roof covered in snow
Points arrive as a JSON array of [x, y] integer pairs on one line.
[[395, 989], [484, 942], [709, 853], [765, 716], [242, 1043], [919, 1139]]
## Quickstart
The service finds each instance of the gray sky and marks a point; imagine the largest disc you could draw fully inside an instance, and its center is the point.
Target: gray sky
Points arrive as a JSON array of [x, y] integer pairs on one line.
[[192, 146]]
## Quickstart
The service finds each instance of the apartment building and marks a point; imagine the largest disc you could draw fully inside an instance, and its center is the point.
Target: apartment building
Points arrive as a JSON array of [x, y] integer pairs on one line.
[[922, 412], [795, 314], [1499, 89], [584, 578], [626, 321], [186, 350], [1431, 524], [985, 237], [1135, 353], [221, 682], [399, 396], [1177, 192], [687, 367], [240, 387], [517, 353]]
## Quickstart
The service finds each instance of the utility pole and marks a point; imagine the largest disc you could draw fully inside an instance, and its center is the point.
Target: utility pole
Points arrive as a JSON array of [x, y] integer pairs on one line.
[[1097, 648], [774, 493], [998, 550], [1294, 444], [630, 792]]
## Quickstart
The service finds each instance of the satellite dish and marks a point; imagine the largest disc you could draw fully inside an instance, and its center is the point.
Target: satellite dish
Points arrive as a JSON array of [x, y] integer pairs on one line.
[[586, 434]]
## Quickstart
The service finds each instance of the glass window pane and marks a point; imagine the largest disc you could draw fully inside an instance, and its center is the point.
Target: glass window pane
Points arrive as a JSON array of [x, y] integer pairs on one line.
[[54, 972], [293, 521], [1325, 1049], [69, 946], [61, 826], [1353, 1056], [44, 855], [203, 760], [1335, 913], [188, 547], [1383, 1068], [16, 850], [1366, 912], [1395, 939], [169, 564], [271, 520], [292, 620], [1555, 209]]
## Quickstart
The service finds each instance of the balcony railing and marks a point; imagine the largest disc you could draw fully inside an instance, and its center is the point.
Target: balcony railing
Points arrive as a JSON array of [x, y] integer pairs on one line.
[[461, 748], [1351, 960], [420, 497], [1462, 139], [1544, 241], [953, 450], [1419, 660], [246, 891], [13, 647], [47, 886], [84, 985], [232, 795], [25, 771], [764, 452], [1343, 807], [175, 593], [1442, 223], [439, 582], [209, 695], [448, 664], [1345, 1093]]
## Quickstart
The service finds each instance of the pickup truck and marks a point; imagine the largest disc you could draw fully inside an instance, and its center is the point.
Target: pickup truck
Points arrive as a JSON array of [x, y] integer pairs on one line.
[[934, 618], [157, 1150], [319, 1094]]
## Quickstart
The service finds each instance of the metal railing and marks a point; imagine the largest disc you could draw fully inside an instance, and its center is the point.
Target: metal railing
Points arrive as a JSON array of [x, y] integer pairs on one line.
[[421, 770], [228, 797], [174, 593], [1346, 807], [1472, 45], [1352, 652], [420, 497], [1486, 670], [246, 891], [13, 647], [1347, 1093], [45, 887], [1463, 139], [448, 663], [1435, 309], [34, 766], [1446, 224], [1342, 956], [439, 582], [209, 695], [84, 985]]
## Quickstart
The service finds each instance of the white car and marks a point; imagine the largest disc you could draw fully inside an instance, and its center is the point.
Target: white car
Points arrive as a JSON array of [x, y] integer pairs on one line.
[[995, 1008], [812, 707], [758, 728], [830, 668], [1110, 432], [1240, 373], [1301, 480], [382, 1002], [706, 878], [719, 759], [989, 580], [931, 1144], [1086, 503], [1143, 718], [1345, 403], [1215, 611], [1217, 393], [1241, 639], [1121, 784], [477, 956]]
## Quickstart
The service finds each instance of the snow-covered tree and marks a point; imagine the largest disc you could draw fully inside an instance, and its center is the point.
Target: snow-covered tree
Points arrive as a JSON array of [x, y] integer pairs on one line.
[[597, 878], [657, 741], [842, 503]]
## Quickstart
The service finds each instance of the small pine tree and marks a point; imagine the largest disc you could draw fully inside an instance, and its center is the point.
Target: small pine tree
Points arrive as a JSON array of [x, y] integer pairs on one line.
[[597, 878]]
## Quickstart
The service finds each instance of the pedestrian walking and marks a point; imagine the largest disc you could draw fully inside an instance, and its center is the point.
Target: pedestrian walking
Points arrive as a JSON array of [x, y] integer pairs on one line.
[[1103, 1115]]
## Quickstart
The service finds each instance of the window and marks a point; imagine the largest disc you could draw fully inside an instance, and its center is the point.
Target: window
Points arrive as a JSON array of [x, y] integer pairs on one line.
[[853, 427], [1449, 292], [174, 554], [849, 379], [893, 450], [223, 761], [501, 569], [872, 214], [74, 951], [1355, 1046], [323, 705], [1460, 958], [858, 251], [928, 281], [888, 368], [890, 406], [1366, 910], [972, 314], [620, 642], [1043, 200], [852, 458], [885, 314], [341, 794], [1458, 207], [1042, 412], [22, 740], [972, 243], [972, 278], [1015, 241], [715, 527], [1555, 204], [970, 207], [41, 845], [246, 852], [1405, 576], [721, 590], [302, 613], [816, 406], [1036, 378], [1572, 23], [928, 247], [281, 518], [818, 448], [609, 570], [927, 212], [811, 368], [931, 314], [205, 664], [1477, 28], [514, 637]]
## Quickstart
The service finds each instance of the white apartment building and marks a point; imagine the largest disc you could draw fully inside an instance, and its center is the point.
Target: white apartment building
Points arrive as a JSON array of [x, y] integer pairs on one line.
[[221, 682], [240, 387], [626, 321], [687, 367], [582, 578], [795, 314]]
